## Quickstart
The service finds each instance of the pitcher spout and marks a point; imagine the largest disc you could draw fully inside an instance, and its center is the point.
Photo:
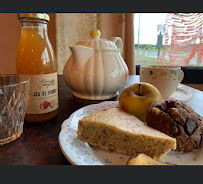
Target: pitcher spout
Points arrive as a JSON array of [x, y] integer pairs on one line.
[[81, 54]]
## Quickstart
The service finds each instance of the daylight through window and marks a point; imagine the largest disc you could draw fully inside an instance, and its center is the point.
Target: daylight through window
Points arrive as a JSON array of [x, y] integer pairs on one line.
[[168, 39]]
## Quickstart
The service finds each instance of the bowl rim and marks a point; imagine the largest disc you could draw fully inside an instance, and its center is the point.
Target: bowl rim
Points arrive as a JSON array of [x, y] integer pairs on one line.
[[26, 80]]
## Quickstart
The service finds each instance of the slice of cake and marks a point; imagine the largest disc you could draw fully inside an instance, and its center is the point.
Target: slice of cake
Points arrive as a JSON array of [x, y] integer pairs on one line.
[[118, 130]]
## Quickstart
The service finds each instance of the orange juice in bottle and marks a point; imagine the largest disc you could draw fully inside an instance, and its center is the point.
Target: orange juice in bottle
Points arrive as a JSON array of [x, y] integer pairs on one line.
[[35, 58]]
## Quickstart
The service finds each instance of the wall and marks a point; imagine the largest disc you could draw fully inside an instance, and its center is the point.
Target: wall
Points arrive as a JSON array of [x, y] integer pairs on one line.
[[10, 36]]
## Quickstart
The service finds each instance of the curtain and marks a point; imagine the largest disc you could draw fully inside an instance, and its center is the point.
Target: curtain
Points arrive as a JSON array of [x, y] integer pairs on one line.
[[183, 34], [73, 27], [121, 25]]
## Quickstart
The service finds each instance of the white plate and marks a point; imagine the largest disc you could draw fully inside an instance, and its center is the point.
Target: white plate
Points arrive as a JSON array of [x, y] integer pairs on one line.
[[81, 153]]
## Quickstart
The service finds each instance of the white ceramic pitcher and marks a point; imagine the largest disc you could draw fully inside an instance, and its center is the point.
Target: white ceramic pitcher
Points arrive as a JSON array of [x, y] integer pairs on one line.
[[96, 69]]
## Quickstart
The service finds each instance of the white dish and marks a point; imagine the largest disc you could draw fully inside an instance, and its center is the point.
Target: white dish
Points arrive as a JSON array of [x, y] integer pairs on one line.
[[181, 94], [81, 153]]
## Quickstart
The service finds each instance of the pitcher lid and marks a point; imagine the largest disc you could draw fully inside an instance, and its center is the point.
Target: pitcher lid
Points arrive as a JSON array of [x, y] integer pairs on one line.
[[96, 42]]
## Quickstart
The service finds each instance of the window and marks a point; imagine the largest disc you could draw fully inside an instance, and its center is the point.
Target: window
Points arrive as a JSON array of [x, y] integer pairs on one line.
[[151, 42]]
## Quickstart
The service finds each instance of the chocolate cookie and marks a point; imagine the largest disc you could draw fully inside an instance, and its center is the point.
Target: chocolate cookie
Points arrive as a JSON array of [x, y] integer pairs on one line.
[[177, 120]]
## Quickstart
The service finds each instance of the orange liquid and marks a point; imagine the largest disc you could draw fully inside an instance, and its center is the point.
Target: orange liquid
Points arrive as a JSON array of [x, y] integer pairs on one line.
[[35, 56]]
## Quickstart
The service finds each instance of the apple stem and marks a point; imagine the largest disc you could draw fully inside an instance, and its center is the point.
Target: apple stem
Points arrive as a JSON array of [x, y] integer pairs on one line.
[[139, 89]]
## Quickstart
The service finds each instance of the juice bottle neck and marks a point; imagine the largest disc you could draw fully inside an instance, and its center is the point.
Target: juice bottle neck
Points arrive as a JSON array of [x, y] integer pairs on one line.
[[33, 22], [34, 25]]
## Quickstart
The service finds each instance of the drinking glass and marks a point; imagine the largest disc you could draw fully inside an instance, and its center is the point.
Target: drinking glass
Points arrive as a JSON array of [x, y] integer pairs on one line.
[[14, 91]]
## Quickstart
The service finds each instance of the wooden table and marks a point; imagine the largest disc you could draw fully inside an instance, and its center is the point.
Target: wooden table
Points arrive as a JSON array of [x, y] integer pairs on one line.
[[38, 145]]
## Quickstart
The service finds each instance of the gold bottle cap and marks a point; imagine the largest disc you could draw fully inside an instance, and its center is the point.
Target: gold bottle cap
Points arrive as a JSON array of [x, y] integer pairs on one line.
[[42, 16]]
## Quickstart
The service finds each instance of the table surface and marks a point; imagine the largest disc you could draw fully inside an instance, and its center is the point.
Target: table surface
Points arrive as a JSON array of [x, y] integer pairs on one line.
[[38, 144]]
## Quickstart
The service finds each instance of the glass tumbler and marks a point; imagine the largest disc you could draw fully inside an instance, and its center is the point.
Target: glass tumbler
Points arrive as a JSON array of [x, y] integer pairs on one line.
[[14, 91]]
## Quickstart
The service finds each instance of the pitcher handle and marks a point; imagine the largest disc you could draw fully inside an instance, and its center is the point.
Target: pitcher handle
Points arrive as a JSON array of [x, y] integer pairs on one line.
[[118, 41]]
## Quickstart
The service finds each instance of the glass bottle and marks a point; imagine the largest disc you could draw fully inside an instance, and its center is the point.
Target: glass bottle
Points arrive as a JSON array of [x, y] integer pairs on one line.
[[35, 58]]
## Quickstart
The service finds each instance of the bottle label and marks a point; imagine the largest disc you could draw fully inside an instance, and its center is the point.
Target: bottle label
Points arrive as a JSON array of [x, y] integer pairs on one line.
[[43, 95]]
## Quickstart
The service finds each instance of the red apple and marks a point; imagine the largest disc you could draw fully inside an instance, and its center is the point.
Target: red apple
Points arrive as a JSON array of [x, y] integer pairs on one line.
[[46, 104], [136, 98]]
